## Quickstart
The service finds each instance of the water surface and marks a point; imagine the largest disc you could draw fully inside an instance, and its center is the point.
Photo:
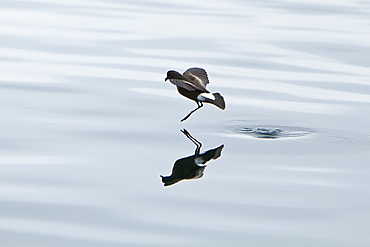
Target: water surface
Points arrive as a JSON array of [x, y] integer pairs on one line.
[[88, 124]]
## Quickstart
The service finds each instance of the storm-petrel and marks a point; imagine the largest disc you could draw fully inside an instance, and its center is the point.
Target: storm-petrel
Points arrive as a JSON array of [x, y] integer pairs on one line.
[[192, 84]]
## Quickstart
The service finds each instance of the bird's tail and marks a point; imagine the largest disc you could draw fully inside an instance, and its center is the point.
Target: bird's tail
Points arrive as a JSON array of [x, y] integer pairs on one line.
[[210, 154], [218, 101]]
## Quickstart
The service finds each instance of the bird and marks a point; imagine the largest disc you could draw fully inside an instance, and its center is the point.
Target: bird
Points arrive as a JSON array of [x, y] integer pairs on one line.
[[192, 84], [193, 166]]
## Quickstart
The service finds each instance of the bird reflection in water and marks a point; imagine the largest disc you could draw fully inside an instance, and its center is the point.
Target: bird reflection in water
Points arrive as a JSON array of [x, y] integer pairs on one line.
[[191, 167]]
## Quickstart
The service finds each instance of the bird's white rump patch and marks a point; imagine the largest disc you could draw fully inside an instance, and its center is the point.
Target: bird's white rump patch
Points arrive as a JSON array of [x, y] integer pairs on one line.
[[205, 96]]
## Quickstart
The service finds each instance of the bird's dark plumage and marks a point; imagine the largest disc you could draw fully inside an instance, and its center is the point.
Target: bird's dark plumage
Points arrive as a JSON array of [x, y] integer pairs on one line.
[[192, 84], [191, 167]]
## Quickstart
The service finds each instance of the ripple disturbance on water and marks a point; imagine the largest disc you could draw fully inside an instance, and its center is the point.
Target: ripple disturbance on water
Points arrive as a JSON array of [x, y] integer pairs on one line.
[[274, 132], [302, 134]]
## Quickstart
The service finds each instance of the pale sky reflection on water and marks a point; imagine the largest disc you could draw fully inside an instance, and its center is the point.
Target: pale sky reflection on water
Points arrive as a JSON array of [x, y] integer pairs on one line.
[[89, 125]]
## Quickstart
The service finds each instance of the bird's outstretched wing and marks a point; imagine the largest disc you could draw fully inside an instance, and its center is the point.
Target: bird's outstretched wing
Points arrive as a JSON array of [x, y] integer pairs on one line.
[[184, 84], [197, 75]]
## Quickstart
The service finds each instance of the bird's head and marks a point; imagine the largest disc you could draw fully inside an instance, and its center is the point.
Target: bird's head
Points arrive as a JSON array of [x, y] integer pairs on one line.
[[171, 74]]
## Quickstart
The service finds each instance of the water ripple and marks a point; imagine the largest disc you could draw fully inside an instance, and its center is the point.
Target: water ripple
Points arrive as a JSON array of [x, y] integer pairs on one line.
[[275, 133]]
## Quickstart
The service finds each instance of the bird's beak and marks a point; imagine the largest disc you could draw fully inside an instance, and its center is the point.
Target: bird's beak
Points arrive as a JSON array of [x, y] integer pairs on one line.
[[166, 79]]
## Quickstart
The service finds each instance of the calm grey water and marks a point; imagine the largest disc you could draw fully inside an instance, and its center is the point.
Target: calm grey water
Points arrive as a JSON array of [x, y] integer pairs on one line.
[[88, 124]]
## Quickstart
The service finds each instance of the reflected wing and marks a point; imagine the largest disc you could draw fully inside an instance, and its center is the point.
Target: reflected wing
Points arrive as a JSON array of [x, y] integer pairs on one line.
[[184, 84], [197, 75]]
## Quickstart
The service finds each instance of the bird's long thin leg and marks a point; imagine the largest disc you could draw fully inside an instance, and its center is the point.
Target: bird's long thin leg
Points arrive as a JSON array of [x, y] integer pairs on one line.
[[193, 140], [200, 105]]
